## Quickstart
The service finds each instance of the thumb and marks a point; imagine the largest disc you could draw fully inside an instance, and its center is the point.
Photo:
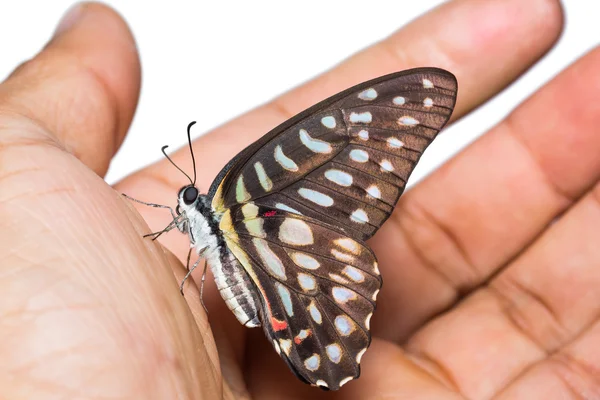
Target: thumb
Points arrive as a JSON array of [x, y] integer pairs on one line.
[[81, 90]]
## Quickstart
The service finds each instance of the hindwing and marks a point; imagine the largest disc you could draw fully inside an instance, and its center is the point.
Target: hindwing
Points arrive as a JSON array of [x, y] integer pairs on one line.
[[317, 289]]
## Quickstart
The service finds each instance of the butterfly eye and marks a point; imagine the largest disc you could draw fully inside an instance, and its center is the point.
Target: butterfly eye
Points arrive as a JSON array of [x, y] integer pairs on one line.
[[190, 195]]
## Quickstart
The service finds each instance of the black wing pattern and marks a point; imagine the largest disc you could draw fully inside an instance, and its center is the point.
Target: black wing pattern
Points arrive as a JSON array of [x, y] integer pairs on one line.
[[317, 286], [346, 159], [298, 204]]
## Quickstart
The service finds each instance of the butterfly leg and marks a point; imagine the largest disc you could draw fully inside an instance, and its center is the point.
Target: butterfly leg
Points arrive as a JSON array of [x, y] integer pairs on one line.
[[202, 286], [185, 278], [179, 220], [190, 270], [175, 223], [173, 214]]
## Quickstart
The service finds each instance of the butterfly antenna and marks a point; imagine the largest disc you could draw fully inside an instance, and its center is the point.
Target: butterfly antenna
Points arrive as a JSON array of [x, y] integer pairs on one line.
[[175, 165], [192, 150]]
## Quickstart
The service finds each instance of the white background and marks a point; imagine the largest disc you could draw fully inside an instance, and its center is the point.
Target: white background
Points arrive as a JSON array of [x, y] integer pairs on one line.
[[210, 61]]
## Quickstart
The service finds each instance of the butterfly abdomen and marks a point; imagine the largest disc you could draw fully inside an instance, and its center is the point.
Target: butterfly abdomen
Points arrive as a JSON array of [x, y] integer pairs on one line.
[[234, 286], [232, 280]]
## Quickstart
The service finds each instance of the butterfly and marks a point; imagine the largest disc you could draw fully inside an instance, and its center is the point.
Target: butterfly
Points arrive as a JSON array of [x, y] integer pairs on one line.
[[284, 225]]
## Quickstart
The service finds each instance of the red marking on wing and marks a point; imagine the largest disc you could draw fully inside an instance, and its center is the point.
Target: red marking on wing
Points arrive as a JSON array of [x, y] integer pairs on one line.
[[299, 339], [278, 325], [270, 213]]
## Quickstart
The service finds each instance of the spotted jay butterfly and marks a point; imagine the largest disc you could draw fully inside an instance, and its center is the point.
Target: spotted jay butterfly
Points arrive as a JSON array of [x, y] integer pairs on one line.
[[283, 226]]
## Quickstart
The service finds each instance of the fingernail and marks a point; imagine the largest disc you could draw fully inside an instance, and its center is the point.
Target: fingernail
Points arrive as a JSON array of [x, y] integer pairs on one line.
[[70, 18]]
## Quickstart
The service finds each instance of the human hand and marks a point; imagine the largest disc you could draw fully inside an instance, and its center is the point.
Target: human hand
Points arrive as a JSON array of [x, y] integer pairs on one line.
[[484, 295]]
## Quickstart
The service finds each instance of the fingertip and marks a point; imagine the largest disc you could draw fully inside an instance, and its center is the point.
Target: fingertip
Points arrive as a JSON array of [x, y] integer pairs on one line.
[[83, 87], [101, 39]]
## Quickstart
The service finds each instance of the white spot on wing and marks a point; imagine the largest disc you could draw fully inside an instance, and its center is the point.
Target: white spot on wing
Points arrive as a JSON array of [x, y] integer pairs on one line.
[[369, 94], [316, 197], [305, 261], [346, 380], [376, 267], [363, 134], [394, 143], [359, 155], [303, 334], [407, 121], [360, 355], [344, 325], [375, 293], [241, 194], [296, 232], [314, 145], [334, 352], [354, 273], [338, 278], [277, 349], [286, 345], [269, 259], [343, 295], [328, 122], [374, 191], [286, 299], [342, 256], [340, 177], [312, 363], [359, 216], [399, 100], [363, 117], [263, 178], [368, 321], [249, 210], [348, 245], [427, 102], [283, 160], [307, 282], [284, 207], [321, 383], [386, 166], [315, 313], [427, 84], [255, 227]]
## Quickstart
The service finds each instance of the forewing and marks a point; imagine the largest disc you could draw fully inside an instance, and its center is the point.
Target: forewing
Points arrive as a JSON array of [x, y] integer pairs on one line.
[[317, 288], [346, 160]]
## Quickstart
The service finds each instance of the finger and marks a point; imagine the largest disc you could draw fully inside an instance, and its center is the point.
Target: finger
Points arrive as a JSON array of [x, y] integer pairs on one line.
[[551, 295], [82, 88], [568, 374], [476, 213], [541, 312], [77, 278]]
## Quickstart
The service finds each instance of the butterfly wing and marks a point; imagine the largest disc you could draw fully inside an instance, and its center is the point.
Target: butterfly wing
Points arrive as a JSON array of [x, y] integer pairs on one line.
[[346, 159], [297, 205], [317, 288]]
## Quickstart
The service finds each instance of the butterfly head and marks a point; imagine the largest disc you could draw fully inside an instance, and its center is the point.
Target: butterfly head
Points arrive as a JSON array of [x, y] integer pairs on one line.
[[188, 195], [188, 199]]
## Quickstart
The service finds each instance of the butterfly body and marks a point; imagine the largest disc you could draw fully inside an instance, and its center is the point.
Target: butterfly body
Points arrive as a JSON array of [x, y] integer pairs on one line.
[[233, 283], [283, 226]]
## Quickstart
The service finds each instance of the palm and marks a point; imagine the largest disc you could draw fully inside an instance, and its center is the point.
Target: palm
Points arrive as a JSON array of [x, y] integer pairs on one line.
[[484, 296]]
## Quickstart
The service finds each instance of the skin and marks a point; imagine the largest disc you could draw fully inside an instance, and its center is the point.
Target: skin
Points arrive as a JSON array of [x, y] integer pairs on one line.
[[490, 264]]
